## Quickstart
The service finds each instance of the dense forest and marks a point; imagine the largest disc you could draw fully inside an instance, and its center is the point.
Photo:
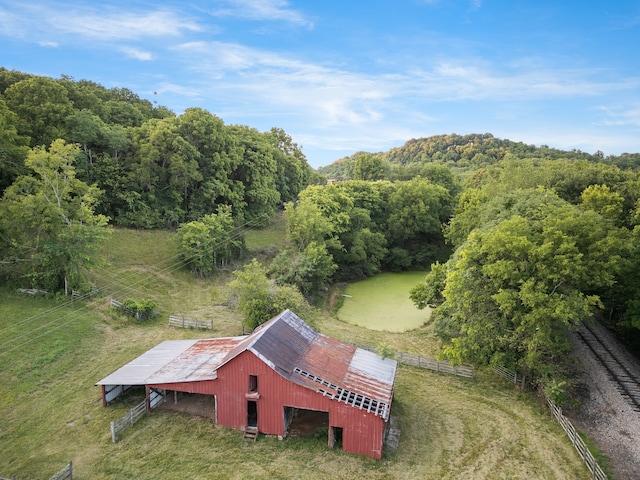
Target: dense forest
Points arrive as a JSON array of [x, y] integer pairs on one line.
[[522, 243]]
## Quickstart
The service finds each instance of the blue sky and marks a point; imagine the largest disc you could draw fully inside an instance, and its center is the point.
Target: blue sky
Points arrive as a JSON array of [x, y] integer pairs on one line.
[[347, 76]]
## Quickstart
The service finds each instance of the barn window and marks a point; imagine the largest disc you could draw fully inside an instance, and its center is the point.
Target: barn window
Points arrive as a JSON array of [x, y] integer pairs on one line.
[[253, 383]]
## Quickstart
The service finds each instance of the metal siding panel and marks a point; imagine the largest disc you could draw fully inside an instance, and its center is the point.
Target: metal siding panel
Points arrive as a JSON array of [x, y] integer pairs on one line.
[[363, 433]]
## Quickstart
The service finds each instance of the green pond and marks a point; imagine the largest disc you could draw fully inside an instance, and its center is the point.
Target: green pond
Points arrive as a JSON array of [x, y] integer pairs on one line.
[[382, 303]]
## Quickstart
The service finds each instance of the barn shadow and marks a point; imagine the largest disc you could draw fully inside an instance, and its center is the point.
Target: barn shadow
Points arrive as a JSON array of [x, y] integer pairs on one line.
[[191, 403]]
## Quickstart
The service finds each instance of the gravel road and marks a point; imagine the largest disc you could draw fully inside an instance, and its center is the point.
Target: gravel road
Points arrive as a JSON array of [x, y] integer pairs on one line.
[[603, 413]]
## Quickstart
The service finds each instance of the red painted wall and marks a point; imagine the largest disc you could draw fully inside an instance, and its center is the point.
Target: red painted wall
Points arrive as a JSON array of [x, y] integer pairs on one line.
[[363, 432]]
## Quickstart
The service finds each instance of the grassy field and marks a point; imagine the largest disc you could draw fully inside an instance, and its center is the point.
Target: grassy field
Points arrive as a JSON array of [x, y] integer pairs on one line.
[[52, 353], [382, 303]]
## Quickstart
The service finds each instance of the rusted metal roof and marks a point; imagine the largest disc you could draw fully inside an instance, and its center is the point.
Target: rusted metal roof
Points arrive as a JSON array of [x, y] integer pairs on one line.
[[328, 365], [175, 361], [285, 343]]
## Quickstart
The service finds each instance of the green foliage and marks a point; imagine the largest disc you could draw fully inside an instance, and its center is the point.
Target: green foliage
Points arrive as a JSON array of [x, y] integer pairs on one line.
[[13, 147], [308, 270], [516, 286], [430, 292], [260, 299], [370, 167], [556, 391], [42, 106], [141, 309], [386, 351], [49, 222], [210, 243], [156, 170]]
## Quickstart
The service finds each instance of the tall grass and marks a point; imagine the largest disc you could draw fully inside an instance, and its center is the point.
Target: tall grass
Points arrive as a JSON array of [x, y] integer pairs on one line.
[[51, 412]]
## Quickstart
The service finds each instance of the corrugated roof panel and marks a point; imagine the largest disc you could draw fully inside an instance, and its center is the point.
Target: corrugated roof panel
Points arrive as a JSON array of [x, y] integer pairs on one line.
[[199, 362], [328, 359], [283, 341], [137, 371]]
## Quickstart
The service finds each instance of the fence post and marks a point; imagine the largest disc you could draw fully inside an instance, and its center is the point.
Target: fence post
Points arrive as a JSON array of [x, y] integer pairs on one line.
[[113, 432], [70, 470]]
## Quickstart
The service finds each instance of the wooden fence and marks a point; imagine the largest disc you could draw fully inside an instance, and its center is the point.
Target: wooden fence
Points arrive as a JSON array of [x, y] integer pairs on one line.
[[119, 305], [132, 416], [65, 474], [183, 322], [507, 374], [576, 440], [433, 364], [426, 362]]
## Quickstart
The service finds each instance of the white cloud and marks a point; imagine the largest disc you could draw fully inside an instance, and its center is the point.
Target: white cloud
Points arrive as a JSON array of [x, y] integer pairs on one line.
[[91, 21], [622, 115], [121, 25], [136, 53], [262, 10], [45, 43]]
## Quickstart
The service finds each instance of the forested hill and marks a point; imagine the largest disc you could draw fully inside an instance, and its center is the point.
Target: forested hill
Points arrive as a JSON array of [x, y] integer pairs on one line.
[[463, 153], [154, 168]]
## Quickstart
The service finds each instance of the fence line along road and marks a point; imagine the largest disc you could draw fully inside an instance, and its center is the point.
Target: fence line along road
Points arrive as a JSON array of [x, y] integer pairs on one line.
[[578, 443]]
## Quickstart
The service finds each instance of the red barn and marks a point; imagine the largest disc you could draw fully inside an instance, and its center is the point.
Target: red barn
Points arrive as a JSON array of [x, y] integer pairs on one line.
[[261, 381]]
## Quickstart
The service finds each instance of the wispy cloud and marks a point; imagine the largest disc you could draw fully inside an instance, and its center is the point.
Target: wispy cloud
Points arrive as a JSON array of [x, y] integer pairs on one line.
[[121, 25], [265, 81], [46, 43], [279, 10], [136, 53], [92, 21], [622, 115]]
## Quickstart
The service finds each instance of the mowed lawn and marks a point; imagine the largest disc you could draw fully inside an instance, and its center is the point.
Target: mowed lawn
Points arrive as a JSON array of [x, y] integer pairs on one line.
[[382, 303], [53, 352]]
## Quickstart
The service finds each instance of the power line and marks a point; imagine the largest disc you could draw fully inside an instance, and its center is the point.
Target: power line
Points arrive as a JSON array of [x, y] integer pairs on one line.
[[178, 262]]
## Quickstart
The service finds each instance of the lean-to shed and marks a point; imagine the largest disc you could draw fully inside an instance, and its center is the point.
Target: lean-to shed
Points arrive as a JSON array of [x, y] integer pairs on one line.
[[262, 381]]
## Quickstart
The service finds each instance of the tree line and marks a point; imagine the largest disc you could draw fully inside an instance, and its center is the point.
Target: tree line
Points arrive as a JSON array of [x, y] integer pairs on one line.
[[76, 157], [155, 169]]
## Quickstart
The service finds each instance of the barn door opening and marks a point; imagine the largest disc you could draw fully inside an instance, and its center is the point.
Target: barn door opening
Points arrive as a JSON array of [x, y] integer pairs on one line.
[[252, 413], [335, 437]]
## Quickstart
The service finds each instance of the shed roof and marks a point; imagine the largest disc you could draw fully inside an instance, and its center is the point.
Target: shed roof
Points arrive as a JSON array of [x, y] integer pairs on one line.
[[285, 343]]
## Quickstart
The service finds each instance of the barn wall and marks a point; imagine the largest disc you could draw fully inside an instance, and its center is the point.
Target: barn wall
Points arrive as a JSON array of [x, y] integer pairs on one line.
[[363, 432], [275, 392], [206, 387]]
